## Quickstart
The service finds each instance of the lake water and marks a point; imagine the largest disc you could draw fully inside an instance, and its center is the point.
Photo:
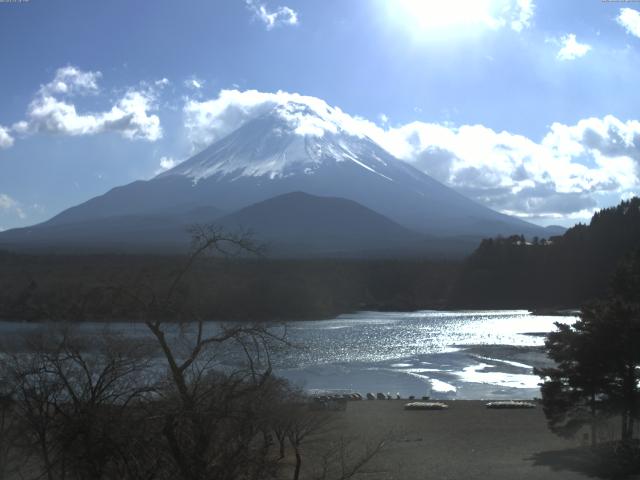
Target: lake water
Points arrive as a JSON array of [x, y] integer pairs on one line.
[[464, 355]]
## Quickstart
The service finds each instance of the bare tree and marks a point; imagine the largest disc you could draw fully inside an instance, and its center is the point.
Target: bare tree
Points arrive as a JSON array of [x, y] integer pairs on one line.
[[192, 401], [314, 433], [71, 399], [303, 423], [345, 457], [211, 417], [8, 430]]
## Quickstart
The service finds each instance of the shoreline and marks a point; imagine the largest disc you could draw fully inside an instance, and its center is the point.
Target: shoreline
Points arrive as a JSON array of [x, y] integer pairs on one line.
[[537, 312], [468, 372], [465, 441]]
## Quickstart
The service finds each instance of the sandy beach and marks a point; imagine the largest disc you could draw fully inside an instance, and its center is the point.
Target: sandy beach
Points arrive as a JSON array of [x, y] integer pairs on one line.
[[467, 441]]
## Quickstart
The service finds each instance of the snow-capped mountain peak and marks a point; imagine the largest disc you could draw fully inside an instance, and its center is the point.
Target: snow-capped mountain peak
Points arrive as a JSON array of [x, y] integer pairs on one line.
[[287, 143], [292, 138]]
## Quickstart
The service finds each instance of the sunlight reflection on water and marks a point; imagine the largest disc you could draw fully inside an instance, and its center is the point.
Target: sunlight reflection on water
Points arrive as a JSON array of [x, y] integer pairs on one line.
[[375, 336], [470, 354]]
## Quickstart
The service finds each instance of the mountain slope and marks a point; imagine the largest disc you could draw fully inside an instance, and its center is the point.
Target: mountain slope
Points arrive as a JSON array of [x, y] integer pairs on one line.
[[150, 233], [294, 147], [271, 155], [297, 222], [293, 224]]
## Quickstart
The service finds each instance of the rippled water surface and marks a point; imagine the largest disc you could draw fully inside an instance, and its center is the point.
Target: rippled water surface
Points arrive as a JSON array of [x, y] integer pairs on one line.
[[375, 336], [470, 355], [480, 354]]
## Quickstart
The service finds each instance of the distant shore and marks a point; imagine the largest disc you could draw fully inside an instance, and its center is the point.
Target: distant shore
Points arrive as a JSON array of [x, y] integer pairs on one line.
[[556, 312], [540, 312]]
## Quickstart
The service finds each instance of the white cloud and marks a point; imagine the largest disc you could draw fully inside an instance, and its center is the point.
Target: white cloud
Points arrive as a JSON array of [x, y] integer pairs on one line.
[[163, 82], [562, 174], [630, 20], [8, 204], [273, 18], [70, 80], [167, 163], [522, 14], [209, 120], [194, 83], [21, 127], [571, 48], [6, 140], [129, 116]]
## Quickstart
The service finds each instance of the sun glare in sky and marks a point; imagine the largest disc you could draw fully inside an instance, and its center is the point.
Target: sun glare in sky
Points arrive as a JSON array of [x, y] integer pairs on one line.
[[424, 18], [429, 15]]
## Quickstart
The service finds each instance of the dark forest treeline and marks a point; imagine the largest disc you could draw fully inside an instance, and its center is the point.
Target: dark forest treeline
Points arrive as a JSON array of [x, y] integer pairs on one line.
[[508, 272], [563, 272], [99, 287]]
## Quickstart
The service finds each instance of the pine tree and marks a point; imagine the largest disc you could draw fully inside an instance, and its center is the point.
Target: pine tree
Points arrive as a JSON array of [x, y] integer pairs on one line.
[[597, 361]]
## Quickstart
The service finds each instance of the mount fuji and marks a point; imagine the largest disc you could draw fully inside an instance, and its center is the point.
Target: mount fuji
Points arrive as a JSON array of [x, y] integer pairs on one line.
[[289, 147]]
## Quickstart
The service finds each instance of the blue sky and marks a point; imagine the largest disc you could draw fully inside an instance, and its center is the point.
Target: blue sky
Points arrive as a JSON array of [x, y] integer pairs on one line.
[[528, 106]]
